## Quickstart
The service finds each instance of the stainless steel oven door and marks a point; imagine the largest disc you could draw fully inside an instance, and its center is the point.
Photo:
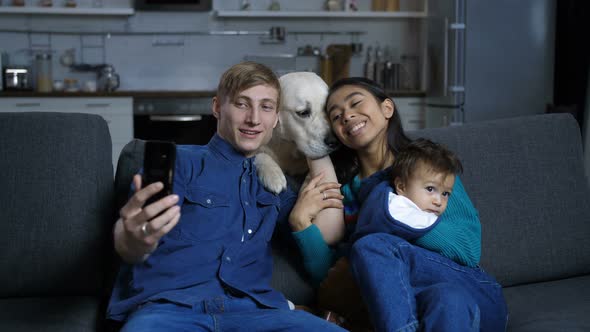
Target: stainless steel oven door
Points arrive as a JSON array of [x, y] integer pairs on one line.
[[173, 5], [178, 128]]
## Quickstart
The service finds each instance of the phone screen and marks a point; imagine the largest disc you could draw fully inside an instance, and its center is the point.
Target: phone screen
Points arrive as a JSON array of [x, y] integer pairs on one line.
[[158, 165]]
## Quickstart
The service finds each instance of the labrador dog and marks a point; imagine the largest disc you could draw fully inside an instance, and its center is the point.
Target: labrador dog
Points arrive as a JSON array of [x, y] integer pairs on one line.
[[302, 132]]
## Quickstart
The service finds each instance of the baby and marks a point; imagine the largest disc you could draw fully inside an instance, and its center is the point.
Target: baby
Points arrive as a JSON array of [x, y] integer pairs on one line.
[[421, 181]]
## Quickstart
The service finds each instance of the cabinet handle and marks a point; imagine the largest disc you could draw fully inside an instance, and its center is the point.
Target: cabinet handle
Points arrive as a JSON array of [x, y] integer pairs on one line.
[[28, 104], [97, 105]]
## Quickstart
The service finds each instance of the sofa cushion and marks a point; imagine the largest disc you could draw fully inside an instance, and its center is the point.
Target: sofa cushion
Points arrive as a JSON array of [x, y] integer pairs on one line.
[[526, 178], [56, 314], [550, 306], [57, 198]]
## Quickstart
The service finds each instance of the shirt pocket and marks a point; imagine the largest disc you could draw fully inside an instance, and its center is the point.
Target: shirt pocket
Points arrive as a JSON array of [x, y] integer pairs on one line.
[[268, 206], [204, 215]]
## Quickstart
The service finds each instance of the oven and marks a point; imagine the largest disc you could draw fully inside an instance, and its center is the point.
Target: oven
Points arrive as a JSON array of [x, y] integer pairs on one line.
[[173, 5], [183, 120]]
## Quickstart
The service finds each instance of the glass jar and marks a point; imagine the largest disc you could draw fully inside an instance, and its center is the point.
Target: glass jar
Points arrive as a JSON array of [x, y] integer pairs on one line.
[[44, 72], [71, 85]]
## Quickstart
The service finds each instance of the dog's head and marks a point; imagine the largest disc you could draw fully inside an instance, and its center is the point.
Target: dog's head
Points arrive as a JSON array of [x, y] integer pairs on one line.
[[302, 119]]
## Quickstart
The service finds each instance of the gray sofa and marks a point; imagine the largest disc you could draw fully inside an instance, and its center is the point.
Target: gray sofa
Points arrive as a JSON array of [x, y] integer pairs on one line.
[[59, 201]]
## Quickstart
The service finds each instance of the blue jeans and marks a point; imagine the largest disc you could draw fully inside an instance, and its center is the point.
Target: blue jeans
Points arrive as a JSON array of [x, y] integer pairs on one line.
[[224, 313], [407, 288]]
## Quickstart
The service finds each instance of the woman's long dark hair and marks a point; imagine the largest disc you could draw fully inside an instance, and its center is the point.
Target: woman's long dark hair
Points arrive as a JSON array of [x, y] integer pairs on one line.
[[345, 159]]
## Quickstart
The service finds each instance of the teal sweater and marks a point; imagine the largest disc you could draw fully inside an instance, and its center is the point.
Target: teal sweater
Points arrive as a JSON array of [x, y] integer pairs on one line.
[[457, 235]]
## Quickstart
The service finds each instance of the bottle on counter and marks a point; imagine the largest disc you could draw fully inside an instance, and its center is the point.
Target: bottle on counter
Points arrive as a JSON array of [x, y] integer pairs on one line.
[[410, 72], [370, 64], [379, 65], [43, 68], [326, 68], [391, 71]]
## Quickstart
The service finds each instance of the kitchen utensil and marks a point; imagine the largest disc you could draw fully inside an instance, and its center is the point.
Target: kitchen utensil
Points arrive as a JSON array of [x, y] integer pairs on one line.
[[340, 55], [58, 85], [108, 79], [71, 85], [17, 78], [68, 57], [90, 86]]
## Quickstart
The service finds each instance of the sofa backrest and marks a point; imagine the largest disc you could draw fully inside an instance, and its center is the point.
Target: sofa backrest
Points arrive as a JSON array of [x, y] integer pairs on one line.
[[526, 178], [57, 204]]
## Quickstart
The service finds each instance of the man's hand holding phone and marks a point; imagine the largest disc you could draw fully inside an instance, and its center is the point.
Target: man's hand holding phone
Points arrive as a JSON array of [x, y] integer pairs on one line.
[[143, 220]]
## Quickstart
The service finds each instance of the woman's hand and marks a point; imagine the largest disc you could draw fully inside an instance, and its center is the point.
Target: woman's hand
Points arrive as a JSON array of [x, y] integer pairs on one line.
[[139, 229], [313, 198]]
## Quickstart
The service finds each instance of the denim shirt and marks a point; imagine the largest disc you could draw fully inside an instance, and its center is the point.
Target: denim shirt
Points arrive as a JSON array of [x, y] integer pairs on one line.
[[221, 243]]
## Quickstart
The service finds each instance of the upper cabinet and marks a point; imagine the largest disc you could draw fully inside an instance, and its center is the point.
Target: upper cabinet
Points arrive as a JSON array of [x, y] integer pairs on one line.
[[67, 11], [68, 7]]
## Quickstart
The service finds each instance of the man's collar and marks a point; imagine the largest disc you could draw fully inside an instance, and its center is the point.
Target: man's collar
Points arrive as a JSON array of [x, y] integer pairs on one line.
[[226, 150]]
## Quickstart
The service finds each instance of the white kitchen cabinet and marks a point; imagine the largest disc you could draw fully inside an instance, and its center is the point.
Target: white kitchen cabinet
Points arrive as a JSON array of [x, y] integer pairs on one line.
[[411, 111], [117, 111], [67, 11]]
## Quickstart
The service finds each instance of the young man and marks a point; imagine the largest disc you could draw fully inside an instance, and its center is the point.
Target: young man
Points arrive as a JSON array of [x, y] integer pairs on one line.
[[204, 264]]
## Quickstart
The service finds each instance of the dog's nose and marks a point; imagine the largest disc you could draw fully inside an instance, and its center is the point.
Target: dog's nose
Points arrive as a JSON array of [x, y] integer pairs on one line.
[[331, 142]]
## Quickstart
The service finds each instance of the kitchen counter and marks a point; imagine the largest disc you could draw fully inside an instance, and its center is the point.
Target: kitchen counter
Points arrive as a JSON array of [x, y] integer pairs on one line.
[[152, 94], [121, 93]]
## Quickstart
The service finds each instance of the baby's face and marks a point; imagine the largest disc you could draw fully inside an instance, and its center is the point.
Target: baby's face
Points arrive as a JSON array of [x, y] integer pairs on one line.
[[428, 189]]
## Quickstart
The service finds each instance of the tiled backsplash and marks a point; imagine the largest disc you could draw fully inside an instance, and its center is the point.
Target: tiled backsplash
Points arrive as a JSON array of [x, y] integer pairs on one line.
[[181, 50]]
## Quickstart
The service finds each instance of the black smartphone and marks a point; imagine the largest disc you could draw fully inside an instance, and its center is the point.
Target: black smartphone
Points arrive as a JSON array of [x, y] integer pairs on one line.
[[158, 165]]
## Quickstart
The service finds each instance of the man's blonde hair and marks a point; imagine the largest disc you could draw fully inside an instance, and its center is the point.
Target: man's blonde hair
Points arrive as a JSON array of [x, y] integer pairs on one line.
[[243, 76]]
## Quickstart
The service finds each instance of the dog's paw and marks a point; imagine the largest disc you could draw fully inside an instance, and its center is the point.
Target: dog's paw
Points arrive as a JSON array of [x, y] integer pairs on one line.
[[270, 173]]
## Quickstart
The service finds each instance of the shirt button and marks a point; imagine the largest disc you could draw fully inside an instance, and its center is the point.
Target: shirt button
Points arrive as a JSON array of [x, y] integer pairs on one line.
[[227, 258], [249, 231], [247, 203], [208, 201], [244, 180]]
